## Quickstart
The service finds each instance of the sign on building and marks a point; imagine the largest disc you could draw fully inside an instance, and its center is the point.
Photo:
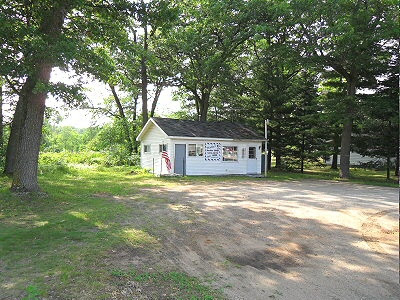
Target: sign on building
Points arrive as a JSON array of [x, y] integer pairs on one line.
[[212, 151]]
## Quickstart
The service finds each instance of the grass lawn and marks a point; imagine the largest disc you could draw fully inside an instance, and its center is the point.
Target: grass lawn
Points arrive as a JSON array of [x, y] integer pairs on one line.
[[59, 243]]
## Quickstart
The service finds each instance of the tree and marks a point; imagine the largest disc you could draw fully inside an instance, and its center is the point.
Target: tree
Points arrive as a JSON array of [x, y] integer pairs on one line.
[[349, 37], [307, 130], [207, 38], [333, 90], [378, 132], [49, 42]]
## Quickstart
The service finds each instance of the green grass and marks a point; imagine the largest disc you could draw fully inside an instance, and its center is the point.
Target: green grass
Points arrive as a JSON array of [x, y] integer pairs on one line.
[[179, 284], [59, 241]]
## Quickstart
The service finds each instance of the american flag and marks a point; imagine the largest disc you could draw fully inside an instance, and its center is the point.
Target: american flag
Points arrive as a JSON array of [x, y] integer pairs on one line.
[[167, 160]]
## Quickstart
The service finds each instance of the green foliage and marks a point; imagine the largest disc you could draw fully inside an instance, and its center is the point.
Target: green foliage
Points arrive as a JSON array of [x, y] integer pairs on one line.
[[66, 138]]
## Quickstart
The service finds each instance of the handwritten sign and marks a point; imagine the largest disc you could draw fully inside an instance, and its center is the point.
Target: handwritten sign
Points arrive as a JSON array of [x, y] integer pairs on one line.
[[212, 151]]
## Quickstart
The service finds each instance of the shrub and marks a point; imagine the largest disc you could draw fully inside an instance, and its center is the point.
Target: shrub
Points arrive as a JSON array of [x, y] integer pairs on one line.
[[118, 156]]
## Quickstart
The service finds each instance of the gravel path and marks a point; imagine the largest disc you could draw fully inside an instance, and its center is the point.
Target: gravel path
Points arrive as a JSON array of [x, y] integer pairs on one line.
[[283, 240]]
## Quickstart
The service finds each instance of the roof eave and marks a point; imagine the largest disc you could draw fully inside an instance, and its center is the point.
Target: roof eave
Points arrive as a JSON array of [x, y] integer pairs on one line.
[[213, 138]]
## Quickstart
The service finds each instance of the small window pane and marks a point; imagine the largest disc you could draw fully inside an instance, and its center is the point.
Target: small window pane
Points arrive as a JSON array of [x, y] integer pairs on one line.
[[162, 147], [243, 152], [146, 148], [230, 153], [199, 150], [192, 149], [252, 152]]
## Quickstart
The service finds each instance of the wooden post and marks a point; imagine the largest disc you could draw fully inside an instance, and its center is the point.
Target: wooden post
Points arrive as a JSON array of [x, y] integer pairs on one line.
[[160, 165], [153, 165], [184, 167]]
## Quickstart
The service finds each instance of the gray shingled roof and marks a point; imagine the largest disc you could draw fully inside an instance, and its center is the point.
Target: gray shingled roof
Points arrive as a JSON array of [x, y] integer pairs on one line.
[[222, 129]]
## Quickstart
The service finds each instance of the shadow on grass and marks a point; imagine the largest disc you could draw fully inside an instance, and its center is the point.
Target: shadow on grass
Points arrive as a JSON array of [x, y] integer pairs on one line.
[[57, 243]]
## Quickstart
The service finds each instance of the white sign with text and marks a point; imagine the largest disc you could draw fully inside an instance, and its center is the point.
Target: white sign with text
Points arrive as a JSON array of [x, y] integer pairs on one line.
[[212, 151]]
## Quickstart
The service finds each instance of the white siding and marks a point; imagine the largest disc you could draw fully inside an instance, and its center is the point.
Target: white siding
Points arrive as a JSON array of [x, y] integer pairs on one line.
[[357, 159], [199, 166], [154, 137]]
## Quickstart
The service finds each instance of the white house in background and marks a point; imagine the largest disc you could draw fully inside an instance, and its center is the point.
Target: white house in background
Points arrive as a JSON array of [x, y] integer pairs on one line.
[[200, 148], [357, 159]]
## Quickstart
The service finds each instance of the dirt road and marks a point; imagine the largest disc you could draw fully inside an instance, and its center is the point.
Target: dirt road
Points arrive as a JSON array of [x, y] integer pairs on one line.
[[280, 240]]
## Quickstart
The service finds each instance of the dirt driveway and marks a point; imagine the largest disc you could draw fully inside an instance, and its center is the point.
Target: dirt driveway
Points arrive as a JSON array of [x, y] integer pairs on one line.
[[280, 240]]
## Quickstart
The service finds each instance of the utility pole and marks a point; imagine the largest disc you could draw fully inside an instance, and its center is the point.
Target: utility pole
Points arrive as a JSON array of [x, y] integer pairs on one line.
[[266, 148]]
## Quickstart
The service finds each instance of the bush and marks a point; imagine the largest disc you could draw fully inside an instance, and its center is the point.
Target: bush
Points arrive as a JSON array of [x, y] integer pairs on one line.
[[87, 158], [118, 156]]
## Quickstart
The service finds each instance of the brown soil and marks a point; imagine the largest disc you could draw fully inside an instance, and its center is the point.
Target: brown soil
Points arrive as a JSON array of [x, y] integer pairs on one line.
[[274, 240]]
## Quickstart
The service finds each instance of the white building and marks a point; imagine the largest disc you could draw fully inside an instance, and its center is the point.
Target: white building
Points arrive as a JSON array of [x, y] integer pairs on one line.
[[357, 159], [200, 148]]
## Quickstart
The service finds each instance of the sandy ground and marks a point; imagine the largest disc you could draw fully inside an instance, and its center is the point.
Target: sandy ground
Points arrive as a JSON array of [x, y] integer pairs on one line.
[[278, 240]]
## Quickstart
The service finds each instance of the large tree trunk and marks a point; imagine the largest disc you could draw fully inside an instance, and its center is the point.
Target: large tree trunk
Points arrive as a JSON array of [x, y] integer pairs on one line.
[[345, 149], [346, 134], [143, 72], [336, 141], [33, 105], [302, 154], [124, 120], [157, 94], [204, 104], [15, 132], [135, 143], [397, 163], [388, 167], [277, 152]]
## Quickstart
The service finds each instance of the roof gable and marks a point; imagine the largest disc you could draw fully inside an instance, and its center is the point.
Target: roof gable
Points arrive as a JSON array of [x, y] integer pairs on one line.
[[221, 129], [149, 124]]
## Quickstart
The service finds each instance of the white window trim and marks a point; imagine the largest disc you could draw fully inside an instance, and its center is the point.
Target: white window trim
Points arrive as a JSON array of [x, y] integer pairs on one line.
[[230, 161], [255, 153], [162, 148], [144, 148], [195, 149]]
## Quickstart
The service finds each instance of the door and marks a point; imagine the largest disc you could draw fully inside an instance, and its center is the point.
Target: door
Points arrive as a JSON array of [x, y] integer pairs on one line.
[[180, 159], [252, 160]]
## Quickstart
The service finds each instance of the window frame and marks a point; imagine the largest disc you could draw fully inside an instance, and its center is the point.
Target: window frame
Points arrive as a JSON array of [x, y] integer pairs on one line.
[[255, 152], [195, 151], [162, 148], [147, 146], [230, 160]]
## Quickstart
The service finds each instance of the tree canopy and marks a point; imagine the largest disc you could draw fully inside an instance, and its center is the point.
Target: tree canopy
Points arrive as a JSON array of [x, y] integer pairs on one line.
[[323, 72]]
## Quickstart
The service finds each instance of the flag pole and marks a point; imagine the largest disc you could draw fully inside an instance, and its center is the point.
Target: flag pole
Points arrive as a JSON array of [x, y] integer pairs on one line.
[[266, 148]]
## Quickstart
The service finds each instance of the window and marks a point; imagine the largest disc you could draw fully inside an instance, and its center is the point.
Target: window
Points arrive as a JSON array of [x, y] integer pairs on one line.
[[243, 152], [162, 148], [146, 148], [229, 153], [195, 150], [252, 152]]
